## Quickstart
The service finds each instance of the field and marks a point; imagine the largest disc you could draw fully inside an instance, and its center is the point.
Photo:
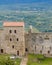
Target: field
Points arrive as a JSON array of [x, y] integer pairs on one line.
[[5, 60], [38, 60]]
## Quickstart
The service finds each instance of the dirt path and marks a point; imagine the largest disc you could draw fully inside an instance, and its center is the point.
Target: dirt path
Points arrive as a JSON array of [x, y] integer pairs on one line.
[[24, 61]]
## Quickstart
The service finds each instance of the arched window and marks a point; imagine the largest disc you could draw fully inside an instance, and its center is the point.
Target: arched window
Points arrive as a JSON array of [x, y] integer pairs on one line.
[[17, 39], [10, 39], [13, 46]]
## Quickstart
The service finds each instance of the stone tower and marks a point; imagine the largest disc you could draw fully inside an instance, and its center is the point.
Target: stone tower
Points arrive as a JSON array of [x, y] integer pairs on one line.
[[14, 41]]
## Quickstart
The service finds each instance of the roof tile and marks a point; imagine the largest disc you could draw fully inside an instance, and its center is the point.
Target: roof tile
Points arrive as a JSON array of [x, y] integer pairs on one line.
[[13, 24]]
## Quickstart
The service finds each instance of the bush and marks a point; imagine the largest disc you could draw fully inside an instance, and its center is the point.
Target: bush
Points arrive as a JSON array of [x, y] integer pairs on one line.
[[40, 58], [9, 62]]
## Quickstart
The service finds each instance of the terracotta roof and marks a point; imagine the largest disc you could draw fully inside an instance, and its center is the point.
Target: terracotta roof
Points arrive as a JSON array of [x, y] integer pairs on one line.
[[13, 24]]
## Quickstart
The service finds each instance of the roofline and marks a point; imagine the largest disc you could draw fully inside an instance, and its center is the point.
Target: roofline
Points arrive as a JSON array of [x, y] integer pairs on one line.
[[13, 24]]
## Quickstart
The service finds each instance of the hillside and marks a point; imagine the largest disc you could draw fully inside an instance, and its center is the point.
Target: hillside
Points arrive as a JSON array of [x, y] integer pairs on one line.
[[39, 15]]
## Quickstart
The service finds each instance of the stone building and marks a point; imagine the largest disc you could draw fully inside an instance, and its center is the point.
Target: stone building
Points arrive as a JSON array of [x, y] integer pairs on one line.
[[38, 43], [14, 40]]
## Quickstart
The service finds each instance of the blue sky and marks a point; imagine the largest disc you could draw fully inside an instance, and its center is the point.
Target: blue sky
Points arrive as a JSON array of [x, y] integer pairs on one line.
[[22, 1]]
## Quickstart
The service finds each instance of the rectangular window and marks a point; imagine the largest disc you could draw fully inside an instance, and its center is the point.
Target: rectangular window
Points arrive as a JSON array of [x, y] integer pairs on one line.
[[10, 31], [13, 46], [14, 31]]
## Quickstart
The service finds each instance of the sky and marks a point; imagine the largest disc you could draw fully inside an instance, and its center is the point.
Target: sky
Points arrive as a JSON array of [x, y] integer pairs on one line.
[[22, 1]]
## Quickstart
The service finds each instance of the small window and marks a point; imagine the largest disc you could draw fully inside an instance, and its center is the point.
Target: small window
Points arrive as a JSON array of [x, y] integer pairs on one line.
[[17, 39], [14, 31], [10, 31], [10, 39], [13, 46]]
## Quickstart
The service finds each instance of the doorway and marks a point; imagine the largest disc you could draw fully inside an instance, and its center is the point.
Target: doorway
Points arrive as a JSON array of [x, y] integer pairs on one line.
[[26, 50], [1, 50], [18, 53]]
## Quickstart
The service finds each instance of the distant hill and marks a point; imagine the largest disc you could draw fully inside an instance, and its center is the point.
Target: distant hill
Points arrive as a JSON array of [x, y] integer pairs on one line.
[[39, 15]]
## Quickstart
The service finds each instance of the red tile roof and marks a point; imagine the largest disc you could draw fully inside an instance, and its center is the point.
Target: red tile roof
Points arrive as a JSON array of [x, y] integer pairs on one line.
[[13, 24]]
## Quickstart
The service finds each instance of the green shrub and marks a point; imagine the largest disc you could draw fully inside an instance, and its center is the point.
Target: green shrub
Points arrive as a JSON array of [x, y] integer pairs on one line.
[[9, 62]]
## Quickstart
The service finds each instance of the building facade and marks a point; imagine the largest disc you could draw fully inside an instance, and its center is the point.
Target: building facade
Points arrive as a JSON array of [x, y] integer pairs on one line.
[[39, 43], [14, 40]]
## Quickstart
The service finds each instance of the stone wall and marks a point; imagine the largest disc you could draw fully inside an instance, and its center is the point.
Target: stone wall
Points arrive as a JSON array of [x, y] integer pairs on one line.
[[14, 42], [39, 43], [19, 42]]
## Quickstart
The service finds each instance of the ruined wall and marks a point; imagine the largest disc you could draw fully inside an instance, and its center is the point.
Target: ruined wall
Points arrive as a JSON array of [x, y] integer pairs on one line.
[[39, 43], [2, 45]]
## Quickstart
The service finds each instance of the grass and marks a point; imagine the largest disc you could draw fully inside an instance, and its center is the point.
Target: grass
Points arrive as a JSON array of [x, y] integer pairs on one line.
[[17, 61], [4, 58], [38, 60]]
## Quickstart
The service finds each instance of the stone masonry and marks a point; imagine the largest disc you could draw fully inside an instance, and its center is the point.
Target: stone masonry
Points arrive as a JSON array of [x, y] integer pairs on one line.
[[14, 40]]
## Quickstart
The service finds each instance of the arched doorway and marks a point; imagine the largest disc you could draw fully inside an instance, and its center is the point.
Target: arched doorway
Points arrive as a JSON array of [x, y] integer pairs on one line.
[[1, 50], [18, 53], [26, 51]]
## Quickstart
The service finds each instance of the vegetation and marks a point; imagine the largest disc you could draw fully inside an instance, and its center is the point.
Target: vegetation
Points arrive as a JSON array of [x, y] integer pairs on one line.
[[40, 18], [38, 60], [5, 60]]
